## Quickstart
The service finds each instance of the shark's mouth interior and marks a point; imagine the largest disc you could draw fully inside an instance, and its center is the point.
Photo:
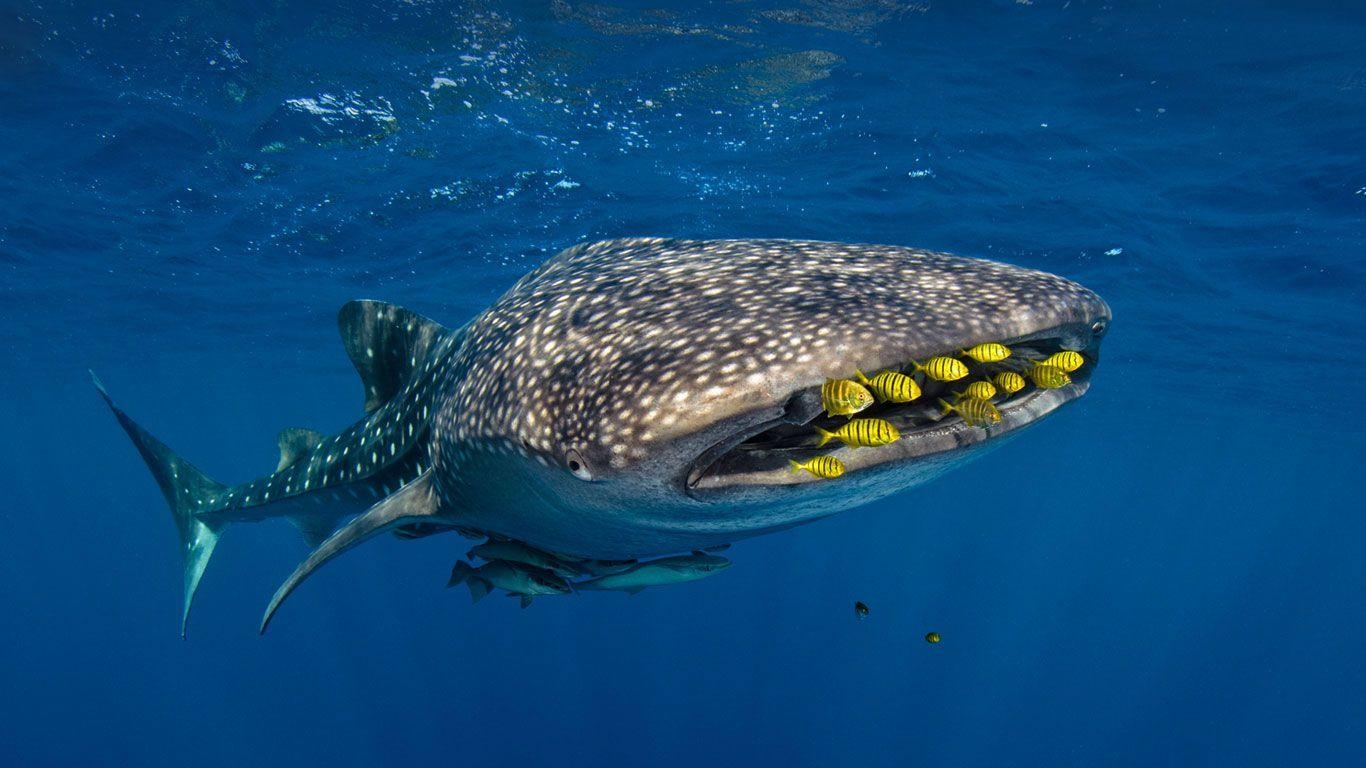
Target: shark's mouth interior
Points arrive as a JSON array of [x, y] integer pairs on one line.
[[763, 452]]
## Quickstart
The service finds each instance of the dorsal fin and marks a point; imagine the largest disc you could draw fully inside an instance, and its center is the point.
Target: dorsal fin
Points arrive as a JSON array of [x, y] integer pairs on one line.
[[294, 443], [385, 342]]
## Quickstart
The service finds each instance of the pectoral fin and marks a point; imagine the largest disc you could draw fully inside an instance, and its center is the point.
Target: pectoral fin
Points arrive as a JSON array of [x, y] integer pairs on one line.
[[413, 502]]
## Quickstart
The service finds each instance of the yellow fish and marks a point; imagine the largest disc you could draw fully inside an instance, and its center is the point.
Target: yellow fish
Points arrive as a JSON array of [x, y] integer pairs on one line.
[[932, 637], [842, 397], [827, 467], [1049, 377], [975, 412], [1009, 382], [942, 368], [890, 386], [982, 390], [1067, 360], [862, 433], [990, 352]]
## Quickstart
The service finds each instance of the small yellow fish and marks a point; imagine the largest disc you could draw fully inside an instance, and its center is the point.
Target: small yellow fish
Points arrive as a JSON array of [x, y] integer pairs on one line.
[[975, 412], [932, 637], [1067, 360], [990, 352], [1009, 382], [890, 386], [1049, 377], [842, 397], [827, 467], [982, 390], [862, 433], [942, 368]]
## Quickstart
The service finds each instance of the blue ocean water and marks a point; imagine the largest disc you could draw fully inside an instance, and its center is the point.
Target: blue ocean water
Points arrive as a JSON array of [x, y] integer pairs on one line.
[[1169, 572]]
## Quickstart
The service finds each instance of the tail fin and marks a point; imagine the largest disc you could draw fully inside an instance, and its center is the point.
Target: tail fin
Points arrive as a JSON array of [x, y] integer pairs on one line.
[[796, 467], [459, 573], [947, 408], [826, 436], [187, 490]]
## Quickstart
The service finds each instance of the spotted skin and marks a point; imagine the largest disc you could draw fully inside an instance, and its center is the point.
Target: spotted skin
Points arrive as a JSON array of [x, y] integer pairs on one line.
[[322, 481], [576, 413], [349, 471]]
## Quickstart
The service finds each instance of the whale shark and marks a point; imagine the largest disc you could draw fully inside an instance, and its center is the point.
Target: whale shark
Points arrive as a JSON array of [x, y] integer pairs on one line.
[[639, 398]]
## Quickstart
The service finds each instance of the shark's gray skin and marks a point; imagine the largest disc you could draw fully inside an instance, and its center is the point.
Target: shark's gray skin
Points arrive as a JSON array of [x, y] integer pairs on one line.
[[656, 573], [636, 398]]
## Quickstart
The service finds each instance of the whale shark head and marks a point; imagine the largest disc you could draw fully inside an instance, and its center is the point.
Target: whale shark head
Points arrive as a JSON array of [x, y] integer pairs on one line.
[[646, 396]]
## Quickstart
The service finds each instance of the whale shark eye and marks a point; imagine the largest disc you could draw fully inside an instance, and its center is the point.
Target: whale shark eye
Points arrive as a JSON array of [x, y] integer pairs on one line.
[[1098, 328], [574, 460]]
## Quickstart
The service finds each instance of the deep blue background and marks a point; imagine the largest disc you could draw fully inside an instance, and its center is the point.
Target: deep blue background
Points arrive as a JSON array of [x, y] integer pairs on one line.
[[1170, 572]]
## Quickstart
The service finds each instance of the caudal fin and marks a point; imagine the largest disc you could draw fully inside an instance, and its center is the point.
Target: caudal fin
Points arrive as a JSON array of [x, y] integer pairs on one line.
[[826, 436], [189, 493], [459, 573]]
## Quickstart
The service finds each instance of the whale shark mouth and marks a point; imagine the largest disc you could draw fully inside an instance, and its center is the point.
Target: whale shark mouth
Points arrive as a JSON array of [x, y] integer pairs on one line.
[[760, 454]]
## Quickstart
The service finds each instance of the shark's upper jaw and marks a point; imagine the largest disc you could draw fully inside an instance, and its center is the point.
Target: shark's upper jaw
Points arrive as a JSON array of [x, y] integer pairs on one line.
[[756, 452]]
